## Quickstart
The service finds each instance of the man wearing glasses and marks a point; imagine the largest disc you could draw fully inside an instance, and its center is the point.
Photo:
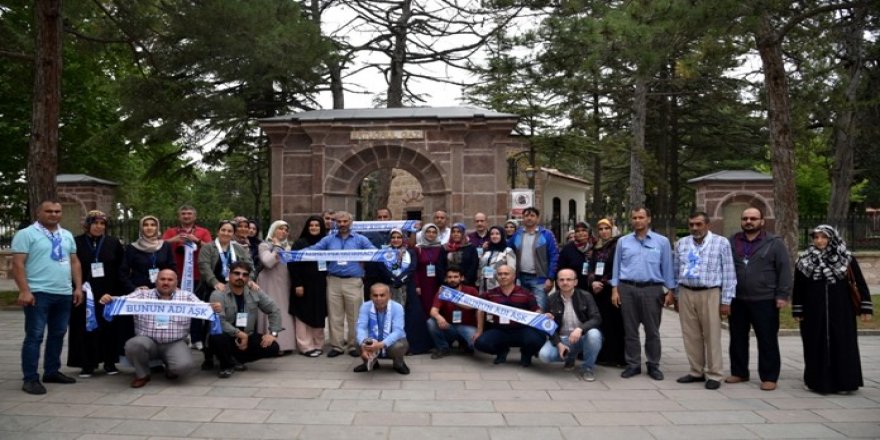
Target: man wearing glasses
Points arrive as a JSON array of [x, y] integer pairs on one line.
[[763, 286], [238, 307]]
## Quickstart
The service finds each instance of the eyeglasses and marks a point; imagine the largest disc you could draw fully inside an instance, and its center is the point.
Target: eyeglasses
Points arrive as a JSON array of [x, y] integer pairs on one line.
[[240, 273], [754, 219]]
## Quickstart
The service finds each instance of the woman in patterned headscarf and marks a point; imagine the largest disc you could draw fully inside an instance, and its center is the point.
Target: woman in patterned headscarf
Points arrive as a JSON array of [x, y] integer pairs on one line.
[[826, 309]]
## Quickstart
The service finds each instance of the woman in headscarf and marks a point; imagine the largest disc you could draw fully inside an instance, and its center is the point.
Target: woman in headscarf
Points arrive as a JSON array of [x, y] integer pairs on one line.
[[496, 254], [144, 258], [601, 268], [510, 227], [398, 271], [576, 255], [431, 267], [826, 309], [308, 292], [100, 256], [274, 279], [460, 252]]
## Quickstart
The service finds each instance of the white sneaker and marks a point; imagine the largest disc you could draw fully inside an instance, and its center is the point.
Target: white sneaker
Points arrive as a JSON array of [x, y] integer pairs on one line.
[[198, 346]]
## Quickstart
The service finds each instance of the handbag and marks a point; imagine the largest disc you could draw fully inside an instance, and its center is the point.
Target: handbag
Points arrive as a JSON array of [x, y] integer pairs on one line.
[[854, 295]]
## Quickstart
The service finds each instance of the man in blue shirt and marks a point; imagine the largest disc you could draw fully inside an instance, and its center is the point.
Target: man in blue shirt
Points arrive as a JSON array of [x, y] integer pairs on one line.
[[642, 268], [380, 331], [345, 284], [44, 262]]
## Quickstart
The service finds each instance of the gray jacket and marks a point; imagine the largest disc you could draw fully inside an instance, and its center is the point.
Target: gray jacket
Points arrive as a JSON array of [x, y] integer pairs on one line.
[[254, 302], [768, 273]]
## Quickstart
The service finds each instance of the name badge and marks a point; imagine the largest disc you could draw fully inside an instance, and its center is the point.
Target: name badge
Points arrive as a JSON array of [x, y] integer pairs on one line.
[[746, 261], [163, 322], [488, 272], [431, 271], [97, 270], [322, 266], [585, 268], [490, 318], [600, 268], [503, 320], [154, 275], [241, 319], [342, 263], [456, 316], [480, 251]]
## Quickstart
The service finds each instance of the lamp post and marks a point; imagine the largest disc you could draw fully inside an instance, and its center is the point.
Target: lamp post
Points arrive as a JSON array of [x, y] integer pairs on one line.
[[530, 170]]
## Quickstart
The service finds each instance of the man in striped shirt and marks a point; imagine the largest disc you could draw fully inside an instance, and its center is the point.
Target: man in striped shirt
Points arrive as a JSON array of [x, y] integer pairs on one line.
[[706, 281]]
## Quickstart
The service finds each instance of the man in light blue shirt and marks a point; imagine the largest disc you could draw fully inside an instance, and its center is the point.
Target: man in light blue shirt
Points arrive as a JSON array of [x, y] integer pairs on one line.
[[345, 284], [43, 264], [706, 285], [380, 331], [642, 268]]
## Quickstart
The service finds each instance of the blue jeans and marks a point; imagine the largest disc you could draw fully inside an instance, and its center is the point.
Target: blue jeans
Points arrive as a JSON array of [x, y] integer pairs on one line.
[[536, 285], [443, 338], [53, 311], [589, 344]]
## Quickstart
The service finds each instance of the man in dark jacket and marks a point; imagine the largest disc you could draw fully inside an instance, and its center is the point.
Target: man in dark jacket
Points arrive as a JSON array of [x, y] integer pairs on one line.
[[763, 286], [577, 319]]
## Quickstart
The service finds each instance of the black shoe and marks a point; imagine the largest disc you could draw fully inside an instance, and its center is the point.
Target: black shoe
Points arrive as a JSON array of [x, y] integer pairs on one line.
[[630, 372], [525, 361], [207, 365], [110, 369], [171, 376], [500, 358], [240, 366], [655, 373], [333, 353], [58, 377], [712, 384], [687, 378], [402, 368], [437, 354], [354, 353], [86, 372], [362, 368], [33, 387], [226, 373], [569, 364]]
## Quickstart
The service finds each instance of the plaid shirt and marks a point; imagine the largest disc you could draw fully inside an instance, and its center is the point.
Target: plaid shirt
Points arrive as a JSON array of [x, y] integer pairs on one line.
[[178, 326], [709, 265]]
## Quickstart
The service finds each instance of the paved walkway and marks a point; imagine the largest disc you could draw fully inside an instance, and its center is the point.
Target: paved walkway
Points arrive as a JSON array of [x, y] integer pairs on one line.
[[456, 397]]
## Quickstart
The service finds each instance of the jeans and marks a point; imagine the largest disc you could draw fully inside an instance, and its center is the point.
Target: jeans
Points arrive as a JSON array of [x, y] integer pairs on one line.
[[536, 285], [442, 338], [589, 344], [53, 311]]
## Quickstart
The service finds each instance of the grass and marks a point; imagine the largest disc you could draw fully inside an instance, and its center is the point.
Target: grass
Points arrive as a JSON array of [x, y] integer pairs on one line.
[[8, 299]]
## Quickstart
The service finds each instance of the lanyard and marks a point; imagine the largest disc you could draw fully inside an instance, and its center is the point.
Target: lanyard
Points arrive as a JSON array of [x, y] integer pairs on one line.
[[96, 249], [57, 252]]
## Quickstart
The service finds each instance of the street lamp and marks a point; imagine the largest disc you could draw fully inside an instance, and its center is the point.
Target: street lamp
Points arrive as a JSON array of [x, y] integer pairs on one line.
[[513, 166]]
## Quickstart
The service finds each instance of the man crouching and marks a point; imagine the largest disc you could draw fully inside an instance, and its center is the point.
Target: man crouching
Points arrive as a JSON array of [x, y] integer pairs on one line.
[[380, 331]]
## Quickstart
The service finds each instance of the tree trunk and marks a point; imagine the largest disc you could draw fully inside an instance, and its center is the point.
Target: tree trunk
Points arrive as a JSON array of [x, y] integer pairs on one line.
[[596, 157], [637, 150], [398, 57], [42, 165], [845, 127], [781, 143]]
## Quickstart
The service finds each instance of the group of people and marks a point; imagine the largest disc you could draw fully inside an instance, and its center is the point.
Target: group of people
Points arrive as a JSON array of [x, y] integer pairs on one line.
[[248, 299]]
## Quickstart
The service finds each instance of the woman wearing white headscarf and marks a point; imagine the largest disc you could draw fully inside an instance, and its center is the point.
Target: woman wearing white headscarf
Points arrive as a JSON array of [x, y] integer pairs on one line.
[[826, 309], [431, 265], [274, 279]]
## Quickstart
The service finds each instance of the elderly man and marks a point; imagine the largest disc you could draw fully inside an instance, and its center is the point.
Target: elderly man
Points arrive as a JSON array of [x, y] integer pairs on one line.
[[380, 331], [578, 320], [160, 337], [238, 307], [345, 285], [502, 334], [642, 268], [49, 279], [706, 285]]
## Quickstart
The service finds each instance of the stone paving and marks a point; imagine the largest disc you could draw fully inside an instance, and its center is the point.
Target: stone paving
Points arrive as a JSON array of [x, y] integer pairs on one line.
[[457, 397]]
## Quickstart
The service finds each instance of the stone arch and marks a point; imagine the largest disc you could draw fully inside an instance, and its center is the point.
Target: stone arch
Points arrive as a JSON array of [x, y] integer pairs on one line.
[[751, 197], [342, 180]]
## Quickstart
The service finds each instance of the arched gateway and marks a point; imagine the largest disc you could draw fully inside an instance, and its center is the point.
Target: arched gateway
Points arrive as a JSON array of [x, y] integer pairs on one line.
[[458, 155]]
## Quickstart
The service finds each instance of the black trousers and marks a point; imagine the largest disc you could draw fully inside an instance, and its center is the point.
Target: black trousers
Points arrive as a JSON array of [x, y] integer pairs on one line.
[[223, 346], [763, 316]]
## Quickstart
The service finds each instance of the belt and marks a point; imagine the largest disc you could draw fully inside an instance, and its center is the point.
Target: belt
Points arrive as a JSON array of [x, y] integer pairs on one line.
[[700, 288], [344, 277], [641, 284]]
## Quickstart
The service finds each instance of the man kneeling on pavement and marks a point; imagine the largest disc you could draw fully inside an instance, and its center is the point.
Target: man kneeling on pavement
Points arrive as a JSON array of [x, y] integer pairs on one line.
[[159, 336], [449, 321], [238, 307], [380, 331], [577, 318]]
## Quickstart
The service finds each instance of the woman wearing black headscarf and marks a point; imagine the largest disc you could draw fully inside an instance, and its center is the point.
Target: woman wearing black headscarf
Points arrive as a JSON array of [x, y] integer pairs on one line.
[[826, 310], [308, 292]]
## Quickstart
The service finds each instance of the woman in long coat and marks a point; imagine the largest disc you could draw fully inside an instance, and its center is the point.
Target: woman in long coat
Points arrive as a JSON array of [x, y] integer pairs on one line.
[[308, 292], [431, 267], [274, 279], [100, 256], [601, 268], [827, 311]]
